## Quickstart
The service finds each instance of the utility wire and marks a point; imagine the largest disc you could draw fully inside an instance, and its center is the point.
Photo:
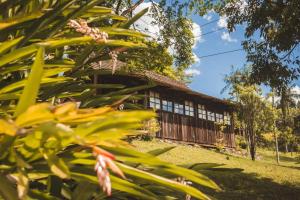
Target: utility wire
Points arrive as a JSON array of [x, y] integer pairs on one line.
[[209, 22], [220, 53], [210, 32]]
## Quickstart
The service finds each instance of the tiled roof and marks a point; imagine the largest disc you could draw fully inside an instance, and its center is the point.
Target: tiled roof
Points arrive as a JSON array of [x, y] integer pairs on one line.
[[159, 79]]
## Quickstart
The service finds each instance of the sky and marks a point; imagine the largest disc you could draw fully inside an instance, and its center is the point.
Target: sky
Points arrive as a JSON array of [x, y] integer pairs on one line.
[[209, 72]]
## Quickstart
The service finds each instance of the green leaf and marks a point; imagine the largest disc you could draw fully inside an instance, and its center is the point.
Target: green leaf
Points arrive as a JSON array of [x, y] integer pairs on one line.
[[9, 96], [17, 54], [7, 189], [122, 32], [76, 13], [96, 10], [14, 21], [32, 86], [45, 20], [86, 40], [20, 84], [7, 128], [36, 194], [131, 188], [135, 18], [83, 190], [57, 165], [117, 183], [6, 145], [161, 180], [157, 152], [5, 46]]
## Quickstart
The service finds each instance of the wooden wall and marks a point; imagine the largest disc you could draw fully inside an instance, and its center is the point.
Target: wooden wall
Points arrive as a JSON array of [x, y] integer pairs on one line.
[[192, 129]]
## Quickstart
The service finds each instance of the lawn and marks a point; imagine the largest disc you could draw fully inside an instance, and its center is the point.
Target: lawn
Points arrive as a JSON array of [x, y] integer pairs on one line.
[[240, 178]]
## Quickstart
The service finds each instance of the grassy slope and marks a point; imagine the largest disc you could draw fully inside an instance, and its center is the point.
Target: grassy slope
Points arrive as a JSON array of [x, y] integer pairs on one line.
[[240, 178]]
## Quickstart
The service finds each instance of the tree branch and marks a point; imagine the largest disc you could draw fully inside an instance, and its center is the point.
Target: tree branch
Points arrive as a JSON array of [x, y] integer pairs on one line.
[[132, 8]]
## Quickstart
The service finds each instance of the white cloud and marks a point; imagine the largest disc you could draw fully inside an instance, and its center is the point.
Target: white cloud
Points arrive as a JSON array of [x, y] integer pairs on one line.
[[222, 23], [296, 91], [196, 58], [145, 23], [226, 37], [192, 72], [207, 17], [197, 34]]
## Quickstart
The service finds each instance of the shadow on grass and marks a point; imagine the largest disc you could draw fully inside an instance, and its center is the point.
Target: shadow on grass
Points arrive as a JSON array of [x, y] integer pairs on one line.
[[282, 157], [237, 185]]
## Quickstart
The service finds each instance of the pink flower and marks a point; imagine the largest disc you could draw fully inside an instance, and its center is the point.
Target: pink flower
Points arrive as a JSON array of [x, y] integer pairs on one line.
[[104, 161]]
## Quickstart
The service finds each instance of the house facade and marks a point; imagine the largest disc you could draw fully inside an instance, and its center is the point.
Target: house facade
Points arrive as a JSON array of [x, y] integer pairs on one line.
[[183, 114]]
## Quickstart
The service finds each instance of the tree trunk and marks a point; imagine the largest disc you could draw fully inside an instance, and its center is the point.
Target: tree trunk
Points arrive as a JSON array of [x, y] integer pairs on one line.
[[286, 147], [274, 130], [252, 143], [252, 152], [276, 147]]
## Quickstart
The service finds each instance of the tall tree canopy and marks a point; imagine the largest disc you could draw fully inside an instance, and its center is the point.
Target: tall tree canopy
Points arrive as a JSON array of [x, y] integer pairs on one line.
[[175, 35], [273, 55]]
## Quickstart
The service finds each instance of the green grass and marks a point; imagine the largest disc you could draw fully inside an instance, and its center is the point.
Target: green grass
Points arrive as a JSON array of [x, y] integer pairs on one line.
[[240, 178]]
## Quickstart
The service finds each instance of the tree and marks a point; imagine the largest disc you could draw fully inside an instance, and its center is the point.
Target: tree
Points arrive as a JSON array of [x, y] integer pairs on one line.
[[175, 33], [47, 149], [277, 22], [255, 114]]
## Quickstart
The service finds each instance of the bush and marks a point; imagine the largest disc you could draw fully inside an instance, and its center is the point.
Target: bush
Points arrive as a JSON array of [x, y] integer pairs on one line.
[[240, 142]]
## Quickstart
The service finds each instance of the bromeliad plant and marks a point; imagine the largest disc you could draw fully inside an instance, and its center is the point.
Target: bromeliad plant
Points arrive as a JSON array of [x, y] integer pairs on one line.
[[50, 150]]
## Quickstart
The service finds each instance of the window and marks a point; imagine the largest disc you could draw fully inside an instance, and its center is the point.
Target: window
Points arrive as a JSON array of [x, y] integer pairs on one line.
[[154, 100], [211, 116], [227, 118], [178, 108], [201, 111], [189, 108], [167, 105], [219, 117]]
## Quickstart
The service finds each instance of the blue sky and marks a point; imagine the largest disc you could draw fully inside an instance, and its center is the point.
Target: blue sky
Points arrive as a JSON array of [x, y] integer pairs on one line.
[[213, 69], [208, 73]]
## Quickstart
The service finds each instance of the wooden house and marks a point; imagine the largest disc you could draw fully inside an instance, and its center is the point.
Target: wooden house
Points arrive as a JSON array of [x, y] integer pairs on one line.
[[184, 115]]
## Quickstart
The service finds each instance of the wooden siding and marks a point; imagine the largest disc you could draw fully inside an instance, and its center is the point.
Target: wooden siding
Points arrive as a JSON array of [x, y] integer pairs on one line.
[[194, 130]]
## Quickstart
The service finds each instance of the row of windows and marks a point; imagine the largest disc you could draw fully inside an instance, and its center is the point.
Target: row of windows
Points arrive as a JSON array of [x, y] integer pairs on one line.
[[188, 109]]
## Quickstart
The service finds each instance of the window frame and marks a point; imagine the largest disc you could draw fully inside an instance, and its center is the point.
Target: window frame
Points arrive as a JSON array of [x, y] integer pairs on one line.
[[202, 112], [168, 107], [178, 107], [211, 116], [154, 100], [227, 118], [189, 109], [219, 117]]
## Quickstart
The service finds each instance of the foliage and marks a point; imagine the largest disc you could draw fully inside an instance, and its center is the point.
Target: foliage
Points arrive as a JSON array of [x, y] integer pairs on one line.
[[255, 115], [240, 142], [153, 58], [277, 22], [175, 34], [152, 127], [48, 149]]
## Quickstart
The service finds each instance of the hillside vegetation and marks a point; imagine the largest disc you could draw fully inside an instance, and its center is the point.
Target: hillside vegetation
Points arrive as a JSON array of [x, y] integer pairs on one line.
[[240, 178]]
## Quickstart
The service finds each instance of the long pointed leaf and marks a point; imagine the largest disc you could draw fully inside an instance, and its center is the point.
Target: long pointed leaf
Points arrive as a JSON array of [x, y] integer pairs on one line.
[[135, 18], [162, 181], [32, 86], [5, 46]]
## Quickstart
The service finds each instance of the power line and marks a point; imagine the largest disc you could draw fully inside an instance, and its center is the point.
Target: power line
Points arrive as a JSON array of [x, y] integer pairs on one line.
[[209, 22], [210, 32], [220, 53]]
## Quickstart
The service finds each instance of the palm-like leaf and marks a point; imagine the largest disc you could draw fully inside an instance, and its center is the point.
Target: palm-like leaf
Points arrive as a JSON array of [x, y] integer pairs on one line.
[[38, 141]]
